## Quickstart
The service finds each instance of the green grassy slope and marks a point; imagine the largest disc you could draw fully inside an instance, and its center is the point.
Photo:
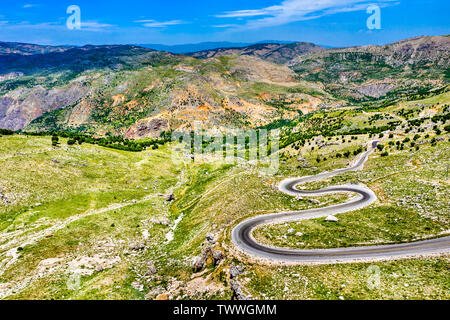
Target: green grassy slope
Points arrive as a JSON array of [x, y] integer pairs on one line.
[[98, 219]]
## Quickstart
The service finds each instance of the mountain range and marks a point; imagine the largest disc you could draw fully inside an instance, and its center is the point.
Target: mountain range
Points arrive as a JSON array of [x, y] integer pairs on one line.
[[140, 92], [195, 47]]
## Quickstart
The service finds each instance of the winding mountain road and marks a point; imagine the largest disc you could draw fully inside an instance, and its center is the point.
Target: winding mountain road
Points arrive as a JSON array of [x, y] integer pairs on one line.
[[243, 240]]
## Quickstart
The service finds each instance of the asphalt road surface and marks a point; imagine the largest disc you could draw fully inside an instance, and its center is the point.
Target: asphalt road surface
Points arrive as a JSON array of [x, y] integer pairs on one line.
[[243, 240]]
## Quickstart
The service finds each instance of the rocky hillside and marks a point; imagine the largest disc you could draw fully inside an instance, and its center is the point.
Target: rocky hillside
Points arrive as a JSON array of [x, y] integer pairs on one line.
[[138, 92], [32, 85], [375, 71], [273, 52]]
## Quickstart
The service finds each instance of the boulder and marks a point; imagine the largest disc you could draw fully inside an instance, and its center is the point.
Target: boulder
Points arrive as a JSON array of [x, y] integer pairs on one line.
[[199, 262], [154, 292], [218, 256], [235, 271], [332, 219], [238, 293], [162, 297], [210, 237], [151, 270], [170, 197], [138, 286], [137, 246]]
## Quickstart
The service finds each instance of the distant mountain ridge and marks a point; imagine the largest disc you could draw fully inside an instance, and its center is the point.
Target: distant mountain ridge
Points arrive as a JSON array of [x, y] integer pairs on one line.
[[279, 53], [202, 46], [186, 48], [29, 49]]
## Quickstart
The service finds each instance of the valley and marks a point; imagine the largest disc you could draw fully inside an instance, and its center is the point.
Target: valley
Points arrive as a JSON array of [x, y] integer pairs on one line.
[[97, 202]]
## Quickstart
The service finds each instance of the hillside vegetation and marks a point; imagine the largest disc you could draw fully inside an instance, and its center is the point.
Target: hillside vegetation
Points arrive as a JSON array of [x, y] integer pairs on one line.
[[98, 202], [125, 225]]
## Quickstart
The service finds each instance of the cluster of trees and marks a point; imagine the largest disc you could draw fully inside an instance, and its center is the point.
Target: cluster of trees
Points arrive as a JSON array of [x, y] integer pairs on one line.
[[113, 142], [441, 117], [373, 130], [346, 154], [6, 132]]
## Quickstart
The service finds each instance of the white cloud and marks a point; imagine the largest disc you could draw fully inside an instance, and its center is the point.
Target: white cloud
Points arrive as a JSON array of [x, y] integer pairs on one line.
[[29, 5], [89, 26], [93, 25], [297, 10], [159, 24], [225, 26], [242, 13]]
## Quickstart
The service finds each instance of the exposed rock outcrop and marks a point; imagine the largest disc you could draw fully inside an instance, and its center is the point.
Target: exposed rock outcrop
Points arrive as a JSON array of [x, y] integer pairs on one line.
[[216, 256], [236, 287]]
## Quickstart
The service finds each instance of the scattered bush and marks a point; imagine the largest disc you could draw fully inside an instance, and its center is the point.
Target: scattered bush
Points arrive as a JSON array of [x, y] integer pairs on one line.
[[55, 140], [447, 128]]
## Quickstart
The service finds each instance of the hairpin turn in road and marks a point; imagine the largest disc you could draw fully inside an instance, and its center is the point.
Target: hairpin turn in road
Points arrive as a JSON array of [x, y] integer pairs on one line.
[[243, 240]]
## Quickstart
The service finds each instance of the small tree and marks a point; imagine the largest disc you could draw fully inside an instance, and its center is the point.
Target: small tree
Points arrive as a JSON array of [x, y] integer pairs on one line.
[[447, 128], [55, 140]]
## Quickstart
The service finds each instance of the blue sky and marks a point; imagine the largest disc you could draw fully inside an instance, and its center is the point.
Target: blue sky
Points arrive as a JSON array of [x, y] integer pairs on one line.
[[326, 22]]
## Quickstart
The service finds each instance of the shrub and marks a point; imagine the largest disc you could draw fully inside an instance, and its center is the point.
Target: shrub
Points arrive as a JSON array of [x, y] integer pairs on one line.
[[6, 132], [55, 141], [447, 128]]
